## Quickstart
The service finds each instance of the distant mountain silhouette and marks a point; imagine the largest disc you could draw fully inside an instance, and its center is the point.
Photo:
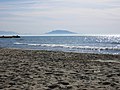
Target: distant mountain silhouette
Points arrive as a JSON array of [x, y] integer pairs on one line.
[[60, 32], [7, 33]]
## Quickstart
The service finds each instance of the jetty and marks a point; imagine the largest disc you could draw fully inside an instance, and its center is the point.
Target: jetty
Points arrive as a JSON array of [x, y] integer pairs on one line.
[[10, 36]]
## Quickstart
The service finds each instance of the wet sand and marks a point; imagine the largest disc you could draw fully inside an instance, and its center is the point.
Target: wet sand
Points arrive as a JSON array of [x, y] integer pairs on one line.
[[48, 70]]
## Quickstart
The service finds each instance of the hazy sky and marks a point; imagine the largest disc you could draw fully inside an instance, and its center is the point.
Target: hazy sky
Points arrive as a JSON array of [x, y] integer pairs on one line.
[[40, 16]]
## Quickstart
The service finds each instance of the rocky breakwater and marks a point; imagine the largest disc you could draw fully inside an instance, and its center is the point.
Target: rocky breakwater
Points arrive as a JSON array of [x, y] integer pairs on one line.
[[10, 36]]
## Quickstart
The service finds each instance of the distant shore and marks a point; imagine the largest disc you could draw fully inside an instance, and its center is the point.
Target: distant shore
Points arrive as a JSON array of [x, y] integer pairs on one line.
[[10, 36], [52, 70]]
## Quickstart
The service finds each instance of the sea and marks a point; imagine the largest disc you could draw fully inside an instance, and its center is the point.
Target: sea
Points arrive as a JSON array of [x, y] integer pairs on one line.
[[100, 44]]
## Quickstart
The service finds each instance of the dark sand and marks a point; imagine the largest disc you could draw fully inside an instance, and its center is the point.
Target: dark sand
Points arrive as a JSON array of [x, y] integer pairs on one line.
[[47, 70]]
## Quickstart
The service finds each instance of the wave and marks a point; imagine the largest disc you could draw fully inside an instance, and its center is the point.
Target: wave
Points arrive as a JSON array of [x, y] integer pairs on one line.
[[115, 42], [70, 47], [17, 43]]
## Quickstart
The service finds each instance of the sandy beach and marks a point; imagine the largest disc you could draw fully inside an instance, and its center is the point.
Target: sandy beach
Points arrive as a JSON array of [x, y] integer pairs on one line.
[[52, 70]]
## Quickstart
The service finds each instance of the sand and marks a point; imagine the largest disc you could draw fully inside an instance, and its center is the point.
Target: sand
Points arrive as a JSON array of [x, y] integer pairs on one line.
[[49, 70]]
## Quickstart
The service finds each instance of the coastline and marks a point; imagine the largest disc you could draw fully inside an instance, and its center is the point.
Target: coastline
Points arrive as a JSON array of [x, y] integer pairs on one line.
[[10, 36], [56, 70]]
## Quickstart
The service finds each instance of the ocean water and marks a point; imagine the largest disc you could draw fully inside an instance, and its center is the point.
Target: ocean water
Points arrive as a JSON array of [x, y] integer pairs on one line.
[[81, 44]]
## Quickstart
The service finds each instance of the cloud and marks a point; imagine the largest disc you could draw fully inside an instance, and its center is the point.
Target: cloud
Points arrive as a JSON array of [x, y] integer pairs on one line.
[[42, 4], [47, 14], [40, 8]]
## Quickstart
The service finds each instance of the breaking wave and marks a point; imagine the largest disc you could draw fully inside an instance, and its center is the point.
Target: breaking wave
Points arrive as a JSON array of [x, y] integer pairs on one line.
[[70, 46]]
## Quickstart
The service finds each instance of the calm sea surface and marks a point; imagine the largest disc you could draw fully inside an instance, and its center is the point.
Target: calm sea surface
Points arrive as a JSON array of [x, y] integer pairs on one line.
[[82, 44]]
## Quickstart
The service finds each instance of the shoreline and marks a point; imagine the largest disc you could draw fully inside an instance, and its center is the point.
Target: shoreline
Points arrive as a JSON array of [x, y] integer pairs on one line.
[[55, 70], [89, 56]]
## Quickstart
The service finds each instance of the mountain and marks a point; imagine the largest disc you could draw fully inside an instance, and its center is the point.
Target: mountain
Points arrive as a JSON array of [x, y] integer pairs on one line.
[[7, 33], [60, 32]]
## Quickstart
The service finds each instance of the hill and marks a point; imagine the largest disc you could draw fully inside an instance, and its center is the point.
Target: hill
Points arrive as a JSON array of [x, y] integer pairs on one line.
[[60, 32]]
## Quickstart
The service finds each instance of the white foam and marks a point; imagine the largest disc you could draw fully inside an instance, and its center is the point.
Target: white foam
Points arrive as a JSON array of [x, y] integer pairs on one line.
[[17, 43], [76, 47], [70, 47]]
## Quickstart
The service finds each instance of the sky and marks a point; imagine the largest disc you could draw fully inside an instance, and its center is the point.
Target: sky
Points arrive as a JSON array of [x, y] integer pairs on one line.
[[41, 16]]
